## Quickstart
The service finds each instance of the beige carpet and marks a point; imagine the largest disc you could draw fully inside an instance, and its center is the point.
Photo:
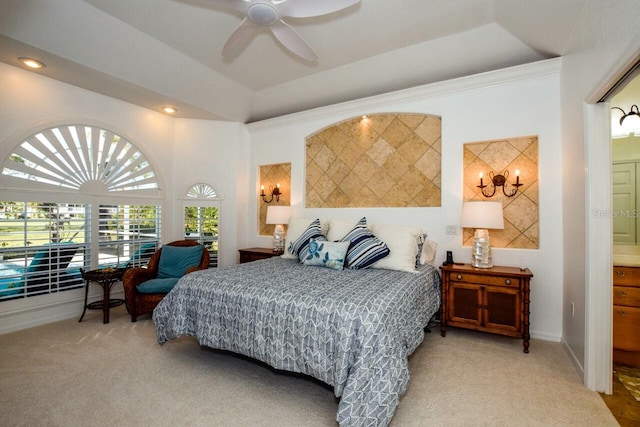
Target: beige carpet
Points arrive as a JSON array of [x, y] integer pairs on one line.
[[89, 374]]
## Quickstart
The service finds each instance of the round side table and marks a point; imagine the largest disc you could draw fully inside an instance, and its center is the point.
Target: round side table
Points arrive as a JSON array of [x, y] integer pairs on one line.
[[106, 278]]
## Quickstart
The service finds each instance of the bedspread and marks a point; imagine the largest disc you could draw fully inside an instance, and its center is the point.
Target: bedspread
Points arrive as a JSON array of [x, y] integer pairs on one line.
[[352, 329]]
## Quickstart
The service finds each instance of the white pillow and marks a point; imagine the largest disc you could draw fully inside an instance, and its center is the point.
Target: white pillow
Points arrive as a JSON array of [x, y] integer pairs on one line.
[[295, 228], [428, 255], [402, 241], [338, 228]]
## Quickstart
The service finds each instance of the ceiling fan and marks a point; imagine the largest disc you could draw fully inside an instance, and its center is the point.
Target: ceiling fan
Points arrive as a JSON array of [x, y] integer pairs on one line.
[[269, 13]]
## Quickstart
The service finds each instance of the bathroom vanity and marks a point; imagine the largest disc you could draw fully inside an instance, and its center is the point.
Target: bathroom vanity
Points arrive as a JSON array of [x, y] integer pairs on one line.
[[626, 310]]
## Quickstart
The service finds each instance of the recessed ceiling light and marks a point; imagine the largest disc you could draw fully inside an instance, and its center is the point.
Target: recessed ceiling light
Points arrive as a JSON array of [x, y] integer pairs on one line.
[[32, 63], [169, 109]]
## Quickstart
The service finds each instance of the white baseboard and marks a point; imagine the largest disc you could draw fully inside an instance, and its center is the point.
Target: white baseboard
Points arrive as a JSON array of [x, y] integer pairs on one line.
[[17, 315], [574, 360], [545, 336]]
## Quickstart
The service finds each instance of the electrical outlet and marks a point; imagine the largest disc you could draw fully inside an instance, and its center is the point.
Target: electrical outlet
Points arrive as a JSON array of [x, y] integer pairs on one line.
[[573, 309], [451, 230]]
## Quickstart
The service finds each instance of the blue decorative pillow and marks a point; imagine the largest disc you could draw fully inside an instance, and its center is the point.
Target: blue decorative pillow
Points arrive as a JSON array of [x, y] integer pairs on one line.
[[365, 249], [300, 246], [326, 254], [176, 260]]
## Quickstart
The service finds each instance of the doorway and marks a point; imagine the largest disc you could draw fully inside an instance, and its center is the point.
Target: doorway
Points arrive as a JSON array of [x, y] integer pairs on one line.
[[625, 180]]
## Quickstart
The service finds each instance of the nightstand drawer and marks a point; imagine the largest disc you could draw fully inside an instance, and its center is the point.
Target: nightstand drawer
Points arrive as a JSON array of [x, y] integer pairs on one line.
[[484, 279]]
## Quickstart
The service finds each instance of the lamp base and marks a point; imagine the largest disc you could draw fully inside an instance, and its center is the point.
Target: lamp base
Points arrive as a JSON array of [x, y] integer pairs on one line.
[[278, 239], [481, 249]]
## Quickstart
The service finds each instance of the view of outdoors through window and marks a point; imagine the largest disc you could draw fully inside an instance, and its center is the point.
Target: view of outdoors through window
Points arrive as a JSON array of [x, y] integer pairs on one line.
[[128, 235], [201, 224], [43, 246]]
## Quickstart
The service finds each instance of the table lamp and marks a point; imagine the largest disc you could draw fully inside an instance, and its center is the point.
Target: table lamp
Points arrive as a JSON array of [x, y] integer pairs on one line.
[[278, 215], [482, 216]]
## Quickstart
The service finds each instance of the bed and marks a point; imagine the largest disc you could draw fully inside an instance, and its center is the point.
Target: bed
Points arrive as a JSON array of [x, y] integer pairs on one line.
[[351, 329]]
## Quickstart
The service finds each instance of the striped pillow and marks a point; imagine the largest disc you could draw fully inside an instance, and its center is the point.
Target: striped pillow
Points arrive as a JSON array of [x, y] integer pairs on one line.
[[300, 246], [364, 248]]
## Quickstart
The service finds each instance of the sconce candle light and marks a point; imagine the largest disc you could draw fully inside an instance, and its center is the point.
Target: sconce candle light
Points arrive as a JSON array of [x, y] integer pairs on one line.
[[629, 123], [500, 180], [275, 192]]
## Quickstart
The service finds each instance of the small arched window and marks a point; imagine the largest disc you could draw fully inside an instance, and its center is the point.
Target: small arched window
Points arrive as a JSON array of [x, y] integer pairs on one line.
[[201, 216], [202, 191]]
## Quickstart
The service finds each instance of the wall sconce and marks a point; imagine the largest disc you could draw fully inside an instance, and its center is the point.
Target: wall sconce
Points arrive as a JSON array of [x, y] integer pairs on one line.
[[631, 113], [498, 180], [631, 122], [275, 192]]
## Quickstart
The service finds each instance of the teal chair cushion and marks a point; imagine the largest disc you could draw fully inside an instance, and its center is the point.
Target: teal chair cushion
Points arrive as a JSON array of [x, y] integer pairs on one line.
[[157, 286], [176, 260]]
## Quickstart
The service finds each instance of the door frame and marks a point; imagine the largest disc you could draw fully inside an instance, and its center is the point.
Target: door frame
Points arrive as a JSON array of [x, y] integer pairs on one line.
[[598, 357]]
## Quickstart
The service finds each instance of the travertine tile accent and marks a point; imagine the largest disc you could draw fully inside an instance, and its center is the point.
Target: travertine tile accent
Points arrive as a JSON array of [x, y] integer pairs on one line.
[[520, 211], [270, 176], [385, 160]]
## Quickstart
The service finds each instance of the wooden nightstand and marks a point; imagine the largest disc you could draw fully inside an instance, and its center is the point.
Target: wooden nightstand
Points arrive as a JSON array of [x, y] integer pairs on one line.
[[492, 300], [254, 254]]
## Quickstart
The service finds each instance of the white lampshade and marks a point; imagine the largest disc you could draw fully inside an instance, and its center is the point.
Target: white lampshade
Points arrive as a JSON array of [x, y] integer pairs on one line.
[[482, 215], [278, 214]]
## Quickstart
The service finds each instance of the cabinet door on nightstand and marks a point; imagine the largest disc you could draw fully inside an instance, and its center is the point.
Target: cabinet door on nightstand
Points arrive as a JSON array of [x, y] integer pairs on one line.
[[503, 308], [465, 304]]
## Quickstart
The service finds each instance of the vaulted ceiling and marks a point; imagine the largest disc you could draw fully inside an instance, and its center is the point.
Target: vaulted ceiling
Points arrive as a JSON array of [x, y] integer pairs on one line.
[[168, 52]]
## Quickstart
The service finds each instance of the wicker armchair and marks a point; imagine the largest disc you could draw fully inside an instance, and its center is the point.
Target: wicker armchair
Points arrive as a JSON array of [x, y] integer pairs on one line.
[[142, 303]]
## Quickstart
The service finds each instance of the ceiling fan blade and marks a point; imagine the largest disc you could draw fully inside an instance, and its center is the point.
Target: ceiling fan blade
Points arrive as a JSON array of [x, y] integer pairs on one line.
[[239, 38], [238, 5], [292, 41], [308, 8]]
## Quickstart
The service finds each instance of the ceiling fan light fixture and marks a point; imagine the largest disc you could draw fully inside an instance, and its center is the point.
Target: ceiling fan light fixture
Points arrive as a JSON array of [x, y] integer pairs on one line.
[[270, 14], [262, 14]]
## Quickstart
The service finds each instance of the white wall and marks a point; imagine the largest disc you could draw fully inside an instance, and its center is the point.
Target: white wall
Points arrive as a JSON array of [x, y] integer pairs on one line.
[[182, 153], [214, 153], [509, 103]]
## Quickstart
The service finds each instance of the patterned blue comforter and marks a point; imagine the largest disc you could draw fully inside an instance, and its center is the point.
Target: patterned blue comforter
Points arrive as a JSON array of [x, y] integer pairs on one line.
[[352, 329]]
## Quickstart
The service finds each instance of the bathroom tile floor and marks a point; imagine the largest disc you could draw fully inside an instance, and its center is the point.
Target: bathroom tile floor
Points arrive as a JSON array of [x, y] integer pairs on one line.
[[623, 405]]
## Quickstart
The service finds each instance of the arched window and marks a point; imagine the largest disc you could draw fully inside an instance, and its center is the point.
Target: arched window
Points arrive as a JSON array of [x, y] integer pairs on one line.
[[60, 226], [201, 216], [202, 191], [73, 156]]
